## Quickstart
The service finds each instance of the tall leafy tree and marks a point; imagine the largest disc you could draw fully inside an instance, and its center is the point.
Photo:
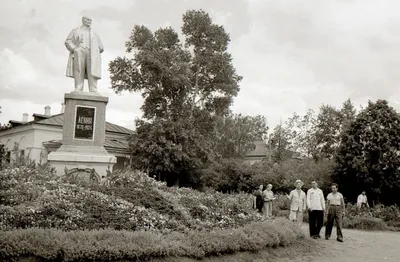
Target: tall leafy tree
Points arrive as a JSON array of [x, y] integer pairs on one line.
[[368, 156], [213, 78], [3, 126], [172, 151], [331, 124], [302, 133], [236, 134], [185, 84], [280, 144], [327, 131], [347, 115], [174, 77]]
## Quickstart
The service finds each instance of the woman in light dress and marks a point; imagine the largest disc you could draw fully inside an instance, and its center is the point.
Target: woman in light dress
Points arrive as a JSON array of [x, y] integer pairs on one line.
[[268, 198]]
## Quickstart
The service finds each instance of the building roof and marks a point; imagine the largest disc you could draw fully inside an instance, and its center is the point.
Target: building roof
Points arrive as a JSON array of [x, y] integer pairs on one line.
[[58, 120], [120, 146], [261, 149]]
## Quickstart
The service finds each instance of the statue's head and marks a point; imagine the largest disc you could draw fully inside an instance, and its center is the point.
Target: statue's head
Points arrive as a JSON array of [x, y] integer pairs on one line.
[[86, 21]]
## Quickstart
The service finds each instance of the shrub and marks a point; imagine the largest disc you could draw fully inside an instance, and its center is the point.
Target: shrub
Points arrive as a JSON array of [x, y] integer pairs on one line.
[[390, 213], [53, 244], [365, 223], [129, 200], [233, 175]]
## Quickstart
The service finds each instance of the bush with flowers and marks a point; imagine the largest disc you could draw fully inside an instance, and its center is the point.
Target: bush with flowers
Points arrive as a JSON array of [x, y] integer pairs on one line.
[[128, 216], [379, 217], [32, 196]]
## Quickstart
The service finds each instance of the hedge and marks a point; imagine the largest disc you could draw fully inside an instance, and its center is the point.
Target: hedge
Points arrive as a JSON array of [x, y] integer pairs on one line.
[[109, 244]]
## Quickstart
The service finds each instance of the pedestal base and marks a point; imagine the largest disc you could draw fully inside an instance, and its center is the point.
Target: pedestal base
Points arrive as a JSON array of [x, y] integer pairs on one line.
[[72, 159], [82, 147]]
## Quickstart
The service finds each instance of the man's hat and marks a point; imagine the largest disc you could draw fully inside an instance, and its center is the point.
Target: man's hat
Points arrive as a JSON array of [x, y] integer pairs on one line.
[[298, 181]]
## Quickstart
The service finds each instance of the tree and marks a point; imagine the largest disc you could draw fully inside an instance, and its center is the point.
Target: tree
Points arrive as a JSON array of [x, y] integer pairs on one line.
[[236, 134], [280, 144], [4, 126], [186, 87], [175, 78], [368, 156], [347, 115], [170, 151], [301, 133], [331, 123], [327, 133]]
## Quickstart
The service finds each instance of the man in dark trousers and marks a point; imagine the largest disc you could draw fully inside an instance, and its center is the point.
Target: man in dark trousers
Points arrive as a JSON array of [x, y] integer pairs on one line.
[[258, 199], [316, 209], [336, 211]]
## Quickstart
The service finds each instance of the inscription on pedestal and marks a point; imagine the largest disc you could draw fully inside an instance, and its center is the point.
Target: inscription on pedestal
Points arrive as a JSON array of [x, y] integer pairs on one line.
[[84, 122]]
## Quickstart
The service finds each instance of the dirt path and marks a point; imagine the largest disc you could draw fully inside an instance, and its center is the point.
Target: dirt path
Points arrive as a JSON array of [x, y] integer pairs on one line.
[[358, 246]]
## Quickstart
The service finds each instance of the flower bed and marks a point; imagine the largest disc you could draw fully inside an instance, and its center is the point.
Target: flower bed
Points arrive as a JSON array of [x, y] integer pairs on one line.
[[33, 197]]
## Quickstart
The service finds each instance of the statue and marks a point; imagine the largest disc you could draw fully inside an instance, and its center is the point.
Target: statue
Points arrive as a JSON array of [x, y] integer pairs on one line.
[[84, 60]]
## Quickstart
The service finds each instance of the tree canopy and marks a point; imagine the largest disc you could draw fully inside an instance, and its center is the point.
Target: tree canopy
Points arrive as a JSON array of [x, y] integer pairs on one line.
[[176, 77], [187, 85], [368, 156], [236, 134]]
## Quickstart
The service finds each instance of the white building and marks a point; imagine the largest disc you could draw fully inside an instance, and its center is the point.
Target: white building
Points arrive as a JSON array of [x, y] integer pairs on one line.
[[37, 138]]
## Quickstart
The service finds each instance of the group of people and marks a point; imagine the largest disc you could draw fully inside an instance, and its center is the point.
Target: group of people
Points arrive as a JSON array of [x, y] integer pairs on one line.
[[314, 202], [263, 200]]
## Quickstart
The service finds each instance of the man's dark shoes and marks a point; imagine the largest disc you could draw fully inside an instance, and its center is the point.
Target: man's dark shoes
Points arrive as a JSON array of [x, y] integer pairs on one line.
[[327, 238], [340, 240]]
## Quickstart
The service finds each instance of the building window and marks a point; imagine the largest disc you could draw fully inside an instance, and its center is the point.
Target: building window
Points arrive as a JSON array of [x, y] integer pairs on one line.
[[22, 155]]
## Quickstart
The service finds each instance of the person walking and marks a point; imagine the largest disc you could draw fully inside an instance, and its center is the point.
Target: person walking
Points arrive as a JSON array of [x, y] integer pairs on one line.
[[268, 198], [298, 203], [362, 200], [316, 209], [336, 211], [258, 202]]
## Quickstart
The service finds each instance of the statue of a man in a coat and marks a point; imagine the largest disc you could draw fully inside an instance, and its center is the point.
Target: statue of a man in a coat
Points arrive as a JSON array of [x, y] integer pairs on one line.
[[84, 60]]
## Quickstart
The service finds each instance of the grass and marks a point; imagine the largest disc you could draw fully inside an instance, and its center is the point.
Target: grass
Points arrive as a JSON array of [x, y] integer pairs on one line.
[[365, 223], [305, 248]]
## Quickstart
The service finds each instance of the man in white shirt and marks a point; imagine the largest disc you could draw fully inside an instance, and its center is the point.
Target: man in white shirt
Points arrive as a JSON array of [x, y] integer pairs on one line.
[[336, 211], [297, 203], [362, 200], [316, 209]]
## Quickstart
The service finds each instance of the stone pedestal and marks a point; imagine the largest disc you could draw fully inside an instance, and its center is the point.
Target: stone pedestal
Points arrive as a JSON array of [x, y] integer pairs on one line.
[[82, 147]]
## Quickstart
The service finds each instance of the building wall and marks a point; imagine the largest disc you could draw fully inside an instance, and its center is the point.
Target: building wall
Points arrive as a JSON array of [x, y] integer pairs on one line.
[[31, 137], [41, 134], [23, 136]]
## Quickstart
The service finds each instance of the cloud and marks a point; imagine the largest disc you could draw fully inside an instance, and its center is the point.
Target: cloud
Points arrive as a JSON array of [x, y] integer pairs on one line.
[[293, 54], [323, 52]]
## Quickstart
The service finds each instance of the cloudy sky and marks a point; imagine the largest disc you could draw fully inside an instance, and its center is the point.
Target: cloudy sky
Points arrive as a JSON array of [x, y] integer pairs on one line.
[[293, 54]]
